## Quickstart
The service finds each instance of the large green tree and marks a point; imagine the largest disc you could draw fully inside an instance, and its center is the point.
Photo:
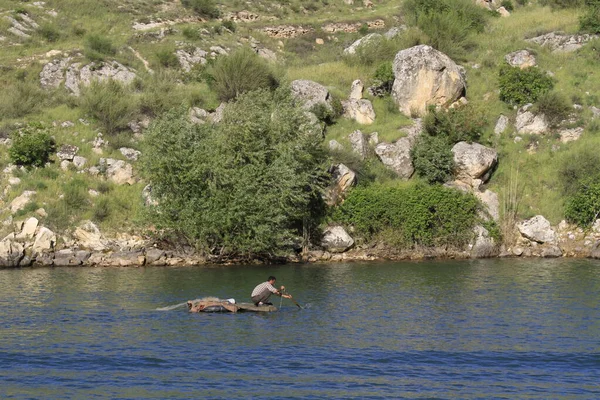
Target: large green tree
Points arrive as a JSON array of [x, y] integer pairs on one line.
[[246, 186]]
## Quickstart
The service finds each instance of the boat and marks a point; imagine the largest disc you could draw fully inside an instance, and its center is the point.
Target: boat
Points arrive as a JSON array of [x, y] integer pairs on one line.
[[214, 305]]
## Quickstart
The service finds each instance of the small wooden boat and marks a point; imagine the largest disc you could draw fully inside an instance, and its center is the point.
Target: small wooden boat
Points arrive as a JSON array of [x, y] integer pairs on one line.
[[219, 306]]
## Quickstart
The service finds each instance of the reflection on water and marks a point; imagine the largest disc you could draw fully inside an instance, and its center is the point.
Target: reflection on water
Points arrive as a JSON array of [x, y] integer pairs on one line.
[[470, 329]]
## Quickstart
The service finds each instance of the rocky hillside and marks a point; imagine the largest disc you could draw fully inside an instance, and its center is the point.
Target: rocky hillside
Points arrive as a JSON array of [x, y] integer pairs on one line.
[[496, 100]]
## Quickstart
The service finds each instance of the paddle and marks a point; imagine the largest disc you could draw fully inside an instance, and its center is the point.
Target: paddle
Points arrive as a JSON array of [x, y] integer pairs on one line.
[[295, 302]]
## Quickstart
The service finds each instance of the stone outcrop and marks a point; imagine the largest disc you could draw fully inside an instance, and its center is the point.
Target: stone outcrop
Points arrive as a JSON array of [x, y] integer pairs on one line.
[[21, 201], [359, 143], [336, 239], [11, 253], [528, 123], [67, 152], [559, 42], [396, 156], [423, 77], [189, 58], [286, 31], [310, 93], [118, 171], [359, 110], [343, 179], [521, 58], [130, 154], [537, 229], [88, 236], [45, 241], [491, 203], [473, 162], [484, 245], [501, 125], [363, 41], [570, 135]]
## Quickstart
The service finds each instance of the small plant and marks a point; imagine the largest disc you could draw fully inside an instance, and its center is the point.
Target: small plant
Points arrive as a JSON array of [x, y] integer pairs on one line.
[[432, 158], [463, 123], [191, 33], [96, 47], [75, 194], [32, 146], [522, 86], [49, 32], [167, 58], [240, 72], [110, 103], [508, 5], [383, 79], [364, 29], [205, 8], [229, 24], [555, 106], [101, 209]]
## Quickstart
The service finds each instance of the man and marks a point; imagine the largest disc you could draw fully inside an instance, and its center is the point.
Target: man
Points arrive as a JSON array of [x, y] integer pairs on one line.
[[261, 293]]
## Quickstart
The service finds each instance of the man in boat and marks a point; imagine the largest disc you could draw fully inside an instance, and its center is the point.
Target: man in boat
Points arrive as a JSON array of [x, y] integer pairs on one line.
[[261, 293]]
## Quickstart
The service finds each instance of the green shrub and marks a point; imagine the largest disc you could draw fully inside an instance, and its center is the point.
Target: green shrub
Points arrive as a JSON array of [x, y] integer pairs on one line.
[[96, 47], [240, 72], [364, 29], [383, 79], [433, 159], [205, 8], [229, 24], [577, 167], [245, 186], [20, 99], [555, 106], [562, 3], [508, 5], [464, 123], [167, 58], [49, 32], [101, 209], [522, 86], [75, 194], [583, 207], [191, 33], [160, 93], [32, 146], [589, 21], [110, 103], [28, 209], [420, 214], [375, 50]]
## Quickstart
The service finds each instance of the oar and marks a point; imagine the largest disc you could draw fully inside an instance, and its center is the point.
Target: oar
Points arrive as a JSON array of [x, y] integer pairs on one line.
[[295, 302]]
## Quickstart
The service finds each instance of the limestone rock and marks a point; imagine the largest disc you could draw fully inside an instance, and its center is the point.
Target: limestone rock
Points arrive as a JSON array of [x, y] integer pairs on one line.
[[155, 257], [125, 259], [558, 42], [45, 240], [29, 228], [551, 252], [310, 93], [501, 125], [11, 253], [521, 58], [334, 145], [503, 12], [336, 239], [537, 229], [217, 116], [594, 253], [473, 162], [21, 201], [570, 135], [359, 110], [530, 123], [68, 257], [356, 91], [188, 59], [118, 171], [423, 77], [67, 152], [396, 156], [77, 76], [89, 237], [359, 143], [147, 196], [79, 162], [491, 203], [364, 41], [484, 245], [130, 154], [53, 73], [198, 115], [344, 178]]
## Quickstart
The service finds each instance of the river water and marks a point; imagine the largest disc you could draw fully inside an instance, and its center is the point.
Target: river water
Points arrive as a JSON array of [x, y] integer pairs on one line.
[[506, 329]]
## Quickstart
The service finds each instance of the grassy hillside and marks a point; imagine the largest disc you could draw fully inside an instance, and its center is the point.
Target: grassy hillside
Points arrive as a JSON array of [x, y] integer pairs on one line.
[[68, 28]]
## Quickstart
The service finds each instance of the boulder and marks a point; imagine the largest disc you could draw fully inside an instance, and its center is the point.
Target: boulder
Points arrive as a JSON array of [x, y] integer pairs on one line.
[[310, 93], [396, 156], [118, 171], [21, 201], [45, 240], [189, 58], [551, 252], [217, 116], [155, 257], [336, 239], [77, 76], [359, 110], [364, 41], [68, 257], [473, 162], [67, 152], [88, 236], [11, 253], [359, 143], [130, 154], [501, 125], [503, 12], [559, 42], [570, 135], [79, 162], [484, 245], [423, 77], [529, 123], [521, 58], [491, 203], [537, 229], [334, 145], [29, 228], [53, 73], [356, 91], [343, 179]]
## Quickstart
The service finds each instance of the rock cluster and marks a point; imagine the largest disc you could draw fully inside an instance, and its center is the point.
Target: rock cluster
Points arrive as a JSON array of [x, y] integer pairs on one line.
[[559, 42]]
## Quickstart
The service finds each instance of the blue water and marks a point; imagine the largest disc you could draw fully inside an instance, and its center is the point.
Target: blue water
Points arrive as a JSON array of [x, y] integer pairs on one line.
[[495, 329]]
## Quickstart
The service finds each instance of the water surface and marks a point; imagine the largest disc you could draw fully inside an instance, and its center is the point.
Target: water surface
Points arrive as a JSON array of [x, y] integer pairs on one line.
[[506, 329]]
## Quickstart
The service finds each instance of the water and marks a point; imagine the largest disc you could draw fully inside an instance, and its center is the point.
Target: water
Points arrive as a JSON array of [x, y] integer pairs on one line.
[[506, 329]]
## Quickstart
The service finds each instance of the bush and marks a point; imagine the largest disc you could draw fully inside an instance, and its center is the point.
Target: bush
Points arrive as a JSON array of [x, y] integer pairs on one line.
[[49, 32], [20, 99], [577, 168], [583, 208], [589, 22], [160, 93], [101, 209], [246, 186], [191, 33], [96, 47], [383, 79], [375, 50], [508, 5], [522, 86], [555, 106], [75, 194], [328, 114], [420, 214], [205, 8], [229, 24], [433, 159], [32, 146], [167, 58], [464, 123], [240, 72], [110, 103]]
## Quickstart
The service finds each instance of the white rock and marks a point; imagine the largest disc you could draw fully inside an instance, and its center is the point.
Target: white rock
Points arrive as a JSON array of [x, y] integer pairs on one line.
[[397, 157], [473, 162], [501, 125], [20, 202], [491, 203], [88, 236], [570, 135], [537, 229], [29, 228], [521, 58], [45, 240], [130, 154], [356, 91], [530, 123], [336, 239], [359, 110]]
